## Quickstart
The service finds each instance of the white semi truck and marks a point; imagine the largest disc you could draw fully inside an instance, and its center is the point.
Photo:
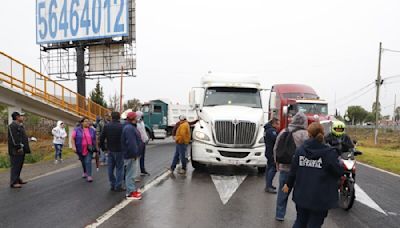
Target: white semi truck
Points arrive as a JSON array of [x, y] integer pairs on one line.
[[232, 110]]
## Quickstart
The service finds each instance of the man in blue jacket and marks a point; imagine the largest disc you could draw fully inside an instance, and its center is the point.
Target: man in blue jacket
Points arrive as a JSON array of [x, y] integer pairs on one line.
[[130, 140], [270, 134]]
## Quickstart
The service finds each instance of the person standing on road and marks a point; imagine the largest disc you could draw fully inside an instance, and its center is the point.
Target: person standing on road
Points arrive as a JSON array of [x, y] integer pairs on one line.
[[84, 145], [182, 140], [59, 135], [99, 129], [314, 175], [130, 141], [298, 128], [145, 139], [111, 136], [270, 134], [18, 146]]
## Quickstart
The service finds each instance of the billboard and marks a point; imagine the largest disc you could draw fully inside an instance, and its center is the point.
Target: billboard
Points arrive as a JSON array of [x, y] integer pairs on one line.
[[69, 20]]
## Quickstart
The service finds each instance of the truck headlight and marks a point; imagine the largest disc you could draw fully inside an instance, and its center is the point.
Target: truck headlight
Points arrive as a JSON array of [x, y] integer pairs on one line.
[[201, 136], [261, 141]]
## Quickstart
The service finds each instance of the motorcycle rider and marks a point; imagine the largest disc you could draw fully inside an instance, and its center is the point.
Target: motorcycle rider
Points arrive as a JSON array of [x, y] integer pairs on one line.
[[338, 138]]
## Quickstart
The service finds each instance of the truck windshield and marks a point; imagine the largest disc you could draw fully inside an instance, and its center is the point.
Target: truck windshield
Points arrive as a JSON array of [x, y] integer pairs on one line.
[[309, 108], [232, 96]]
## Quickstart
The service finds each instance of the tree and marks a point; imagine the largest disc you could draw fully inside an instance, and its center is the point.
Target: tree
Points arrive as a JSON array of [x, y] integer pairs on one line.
[[133, 104], [357, 114], [397, 114], [379, 109], [97, 95], [370, 117], [114, 102]]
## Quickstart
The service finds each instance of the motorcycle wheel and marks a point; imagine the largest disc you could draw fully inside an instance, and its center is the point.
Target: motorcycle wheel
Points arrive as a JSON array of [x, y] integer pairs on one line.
[[347, 195]]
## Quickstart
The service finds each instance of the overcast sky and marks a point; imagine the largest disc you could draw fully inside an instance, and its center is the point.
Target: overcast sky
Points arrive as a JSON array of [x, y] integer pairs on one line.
[[330, 45]]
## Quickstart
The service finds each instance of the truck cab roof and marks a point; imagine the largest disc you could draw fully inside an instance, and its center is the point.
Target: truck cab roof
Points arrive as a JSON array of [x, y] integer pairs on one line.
[[231, 80], [295, 91]]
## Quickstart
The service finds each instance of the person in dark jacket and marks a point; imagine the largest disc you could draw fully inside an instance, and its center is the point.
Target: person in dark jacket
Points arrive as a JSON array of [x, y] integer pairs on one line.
[[270, 134], [338, 138], [130, 140], [314, 175], [111, 136], [18, 146]]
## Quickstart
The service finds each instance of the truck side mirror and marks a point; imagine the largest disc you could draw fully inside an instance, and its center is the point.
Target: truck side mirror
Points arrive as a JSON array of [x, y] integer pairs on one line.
[[272, 101], [196, 97], [285, 110]]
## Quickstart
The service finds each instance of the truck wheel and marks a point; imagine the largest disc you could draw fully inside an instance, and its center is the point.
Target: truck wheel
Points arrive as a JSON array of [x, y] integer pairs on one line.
[[261, 169], [197, 165]]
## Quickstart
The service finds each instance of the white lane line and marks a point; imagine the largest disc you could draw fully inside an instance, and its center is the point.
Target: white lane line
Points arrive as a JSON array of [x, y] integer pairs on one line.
[[227, 185], [100, 220], [378, 169], [72, 166], [363, 198]]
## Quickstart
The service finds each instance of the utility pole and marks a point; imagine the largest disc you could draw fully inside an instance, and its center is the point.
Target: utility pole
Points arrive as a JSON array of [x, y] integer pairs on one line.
[[121, 107], [378, 85], [394, 112]]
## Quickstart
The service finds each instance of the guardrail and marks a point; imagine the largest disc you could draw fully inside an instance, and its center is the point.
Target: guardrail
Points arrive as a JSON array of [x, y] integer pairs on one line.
[[25, 79]]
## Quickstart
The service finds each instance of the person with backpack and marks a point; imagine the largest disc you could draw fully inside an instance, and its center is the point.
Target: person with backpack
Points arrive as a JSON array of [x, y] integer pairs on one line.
[[314, 175], [288, 140], [270, 134]]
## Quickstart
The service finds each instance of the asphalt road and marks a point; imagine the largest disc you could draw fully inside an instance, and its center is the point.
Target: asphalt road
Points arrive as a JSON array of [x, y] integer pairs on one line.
[[199, 199]]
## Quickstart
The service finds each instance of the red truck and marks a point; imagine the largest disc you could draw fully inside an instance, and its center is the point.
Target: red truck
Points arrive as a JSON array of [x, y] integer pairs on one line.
[[287, 99]]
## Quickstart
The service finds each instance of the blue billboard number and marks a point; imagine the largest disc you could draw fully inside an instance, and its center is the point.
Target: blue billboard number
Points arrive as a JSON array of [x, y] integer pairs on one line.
[[69, 21], [96, 22], [117, 26], [42, 21], [53, 19], [64, 19]]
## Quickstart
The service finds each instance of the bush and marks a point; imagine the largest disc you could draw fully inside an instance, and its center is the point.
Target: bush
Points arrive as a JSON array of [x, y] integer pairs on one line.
[[33, 158], [4, 161]]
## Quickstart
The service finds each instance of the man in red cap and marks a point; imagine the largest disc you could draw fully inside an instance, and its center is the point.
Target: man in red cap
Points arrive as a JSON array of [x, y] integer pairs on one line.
[[130, 140]]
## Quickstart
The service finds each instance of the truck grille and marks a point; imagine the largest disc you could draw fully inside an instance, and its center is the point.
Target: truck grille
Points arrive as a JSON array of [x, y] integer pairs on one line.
[[234, 134], [234, 154]]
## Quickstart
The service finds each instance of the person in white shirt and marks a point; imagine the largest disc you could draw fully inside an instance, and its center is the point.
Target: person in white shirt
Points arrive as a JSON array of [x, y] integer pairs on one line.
[[59, 135], [143, 135]]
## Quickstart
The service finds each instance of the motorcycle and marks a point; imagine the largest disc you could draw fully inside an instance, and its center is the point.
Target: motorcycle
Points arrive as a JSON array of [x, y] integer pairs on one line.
[[347, 181]]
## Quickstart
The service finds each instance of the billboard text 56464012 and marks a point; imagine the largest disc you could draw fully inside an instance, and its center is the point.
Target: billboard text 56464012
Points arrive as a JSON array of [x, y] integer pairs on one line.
[[69, 20]]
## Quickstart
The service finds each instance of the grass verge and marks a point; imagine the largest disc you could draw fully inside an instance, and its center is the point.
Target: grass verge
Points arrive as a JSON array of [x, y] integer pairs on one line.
[[381, 158]]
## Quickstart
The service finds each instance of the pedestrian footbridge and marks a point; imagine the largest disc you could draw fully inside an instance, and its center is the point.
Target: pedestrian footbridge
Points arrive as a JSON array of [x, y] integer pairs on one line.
[[23, 88]]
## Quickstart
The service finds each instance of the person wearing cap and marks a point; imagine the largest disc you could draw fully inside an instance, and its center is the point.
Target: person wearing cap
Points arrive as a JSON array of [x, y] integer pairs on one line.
[[59, 135], [143, 135], [182, 140], [18, 146], [130, 142]]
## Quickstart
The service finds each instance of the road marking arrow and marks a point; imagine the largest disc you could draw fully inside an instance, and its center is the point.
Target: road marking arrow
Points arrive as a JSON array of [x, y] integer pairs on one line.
[[363, 198], [227, 185]]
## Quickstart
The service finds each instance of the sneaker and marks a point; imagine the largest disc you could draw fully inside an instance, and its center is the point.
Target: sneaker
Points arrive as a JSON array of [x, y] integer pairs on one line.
[[145, 173], [89, 179], [134, 195], [279, 219], [55, 162], [84, 175], [182, 171], [270, 190], [273, 187]]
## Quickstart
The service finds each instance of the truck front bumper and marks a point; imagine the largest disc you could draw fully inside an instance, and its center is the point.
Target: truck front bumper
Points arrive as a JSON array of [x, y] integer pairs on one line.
[[213, 155]]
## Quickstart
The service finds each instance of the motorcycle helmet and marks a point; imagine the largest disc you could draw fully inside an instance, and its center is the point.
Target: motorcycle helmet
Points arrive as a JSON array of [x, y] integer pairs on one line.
[[338, 128]]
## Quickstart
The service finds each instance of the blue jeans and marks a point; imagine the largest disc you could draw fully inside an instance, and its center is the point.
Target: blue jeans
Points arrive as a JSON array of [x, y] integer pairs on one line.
[[180, 154], [270, 171], [88, 163], [307, 218], [130, 174], [281, 201], [142, 153], [115, 161], [103, 156], [58, 149]]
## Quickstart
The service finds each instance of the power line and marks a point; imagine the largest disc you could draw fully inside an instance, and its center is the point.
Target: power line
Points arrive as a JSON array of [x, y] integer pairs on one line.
[[390, 50], [393, 76], [357, 97], [355, 92]]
